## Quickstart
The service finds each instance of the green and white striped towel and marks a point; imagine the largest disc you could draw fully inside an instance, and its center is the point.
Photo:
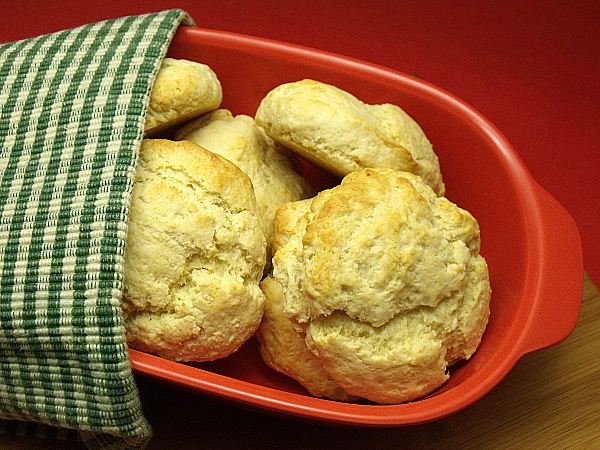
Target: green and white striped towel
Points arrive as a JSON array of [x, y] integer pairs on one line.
[[72, 113]]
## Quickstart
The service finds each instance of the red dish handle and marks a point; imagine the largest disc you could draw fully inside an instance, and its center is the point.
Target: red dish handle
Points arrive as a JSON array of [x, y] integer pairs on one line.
[[560, 278]]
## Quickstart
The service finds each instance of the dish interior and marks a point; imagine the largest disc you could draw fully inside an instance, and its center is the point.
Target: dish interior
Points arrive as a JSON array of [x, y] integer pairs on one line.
[[481, 172]]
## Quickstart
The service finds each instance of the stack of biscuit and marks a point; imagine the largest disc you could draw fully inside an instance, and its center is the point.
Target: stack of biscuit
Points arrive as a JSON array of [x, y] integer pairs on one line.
[[369, 290]]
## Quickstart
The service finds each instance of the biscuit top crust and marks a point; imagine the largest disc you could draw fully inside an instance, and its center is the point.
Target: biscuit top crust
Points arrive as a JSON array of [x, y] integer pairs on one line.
[[380, 244], [337, 131], [286, 219], [182, 90]]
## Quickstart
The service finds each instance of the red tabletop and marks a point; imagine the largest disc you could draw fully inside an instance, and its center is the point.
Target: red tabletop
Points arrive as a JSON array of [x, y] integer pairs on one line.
[[531, 67]]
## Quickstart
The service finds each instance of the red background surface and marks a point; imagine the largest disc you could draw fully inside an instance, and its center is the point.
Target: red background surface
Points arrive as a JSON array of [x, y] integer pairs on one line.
[[531, 67]]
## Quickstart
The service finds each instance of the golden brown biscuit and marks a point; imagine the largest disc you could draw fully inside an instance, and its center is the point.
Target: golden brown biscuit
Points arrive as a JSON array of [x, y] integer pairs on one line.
[[271, 168], [337, 131], [385, 279], [182, 90], [195, 254]]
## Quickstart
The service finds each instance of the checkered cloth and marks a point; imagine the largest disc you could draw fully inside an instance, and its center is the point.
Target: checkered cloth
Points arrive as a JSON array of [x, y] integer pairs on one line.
[[72, 113]]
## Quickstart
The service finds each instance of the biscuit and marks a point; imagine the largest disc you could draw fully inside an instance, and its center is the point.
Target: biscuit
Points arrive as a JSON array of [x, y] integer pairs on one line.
[[337, 131], [181, 91], [195, 254], [386, 281], [272, 169]]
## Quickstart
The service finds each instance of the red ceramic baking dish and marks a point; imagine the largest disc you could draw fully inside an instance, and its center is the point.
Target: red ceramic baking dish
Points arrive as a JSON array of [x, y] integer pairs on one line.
[[531, 244]]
